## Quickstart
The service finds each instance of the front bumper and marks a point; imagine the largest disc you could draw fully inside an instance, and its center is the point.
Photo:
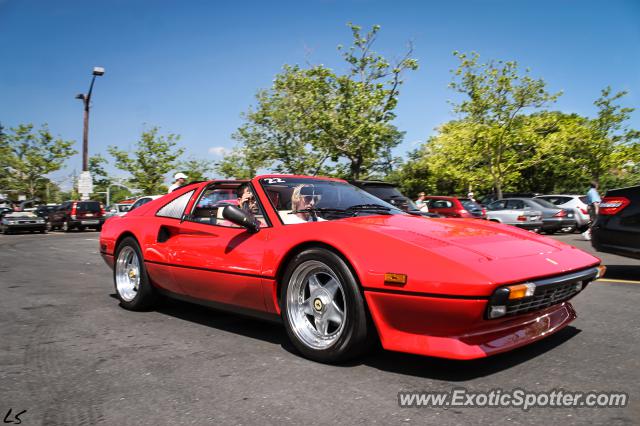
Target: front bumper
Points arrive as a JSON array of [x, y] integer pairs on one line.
[[456, 328], [26, 226]]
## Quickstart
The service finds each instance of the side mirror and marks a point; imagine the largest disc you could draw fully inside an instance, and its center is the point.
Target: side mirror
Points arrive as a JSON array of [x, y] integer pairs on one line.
[[241, 218]]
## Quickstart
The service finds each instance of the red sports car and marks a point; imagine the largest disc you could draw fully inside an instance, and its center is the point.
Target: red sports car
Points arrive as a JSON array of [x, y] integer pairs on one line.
[[341, 268]]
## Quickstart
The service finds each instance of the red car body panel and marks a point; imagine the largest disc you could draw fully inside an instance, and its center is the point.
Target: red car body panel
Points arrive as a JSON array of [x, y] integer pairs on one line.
[[453, 267]]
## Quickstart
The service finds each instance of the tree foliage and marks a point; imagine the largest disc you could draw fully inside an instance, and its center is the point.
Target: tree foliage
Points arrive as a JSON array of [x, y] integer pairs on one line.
[[318, 121], [496, 96], [27, 156], [152, 158], [196, 169]]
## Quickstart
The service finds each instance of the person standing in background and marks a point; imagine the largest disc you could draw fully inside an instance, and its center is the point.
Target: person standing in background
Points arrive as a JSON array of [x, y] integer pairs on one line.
[[180, 179], [421, 203], [593, 204]]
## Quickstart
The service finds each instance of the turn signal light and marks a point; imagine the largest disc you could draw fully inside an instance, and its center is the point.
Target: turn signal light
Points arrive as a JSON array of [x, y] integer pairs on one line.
[[391, 278], [601, 270], [520, 291]]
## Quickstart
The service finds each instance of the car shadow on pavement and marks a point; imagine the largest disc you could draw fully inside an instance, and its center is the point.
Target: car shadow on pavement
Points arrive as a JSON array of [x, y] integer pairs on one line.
[[460, 371], [232, 322], [395, 362], [623, 272]]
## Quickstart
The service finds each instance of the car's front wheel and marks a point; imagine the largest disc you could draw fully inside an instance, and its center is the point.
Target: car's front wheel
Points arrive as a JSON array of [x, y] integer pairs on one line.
[[131, 281], [323, 308]]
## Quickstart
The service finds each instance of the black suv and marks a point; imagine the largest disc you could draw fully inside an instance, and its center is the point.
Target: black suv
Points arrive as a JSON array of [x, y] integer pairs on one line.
[[77, 215], [617, 228], [389, 193]]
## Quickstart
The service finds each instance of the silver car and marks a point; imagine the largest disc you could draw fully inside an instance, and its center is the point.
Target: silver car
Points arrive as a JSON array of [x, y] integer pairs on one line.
[[576, 202], [515, 212]]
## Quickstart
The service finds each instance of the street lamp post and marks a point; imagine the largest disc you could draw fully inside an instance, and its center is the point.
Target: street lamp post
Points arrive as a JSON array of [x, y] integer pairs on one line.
[[85, 186]]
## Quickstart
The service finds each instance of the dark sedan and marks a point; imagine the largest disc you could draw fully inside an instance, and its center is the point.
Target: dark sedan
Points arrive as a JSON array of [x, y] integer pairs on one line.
[[617, 228], [389, 193], [11, 222]]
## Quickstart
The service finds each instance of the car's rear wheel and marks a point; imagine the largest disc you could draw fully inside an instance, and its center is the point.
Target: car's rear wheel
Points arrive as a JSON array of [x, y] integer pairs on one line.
[[323, 308], [130, 277]]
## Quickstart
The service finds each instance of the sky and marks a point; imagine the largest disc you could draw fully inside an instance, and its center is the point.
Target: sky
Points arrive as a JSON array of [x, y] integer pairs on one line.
[[193, 67]]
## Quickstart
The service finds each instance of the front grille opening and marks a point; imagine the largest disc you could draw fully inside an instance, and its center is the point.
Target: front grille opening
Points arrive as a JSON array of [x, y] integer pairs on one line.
[[545, 297]]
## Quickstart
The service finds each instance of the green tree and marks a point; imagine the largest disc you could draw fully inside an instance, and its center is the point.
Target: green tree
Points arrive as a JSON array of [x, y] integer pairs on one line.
[[496, 97], [610, 136], [28, 156], [196, 169], [153, 157], [316, 121]]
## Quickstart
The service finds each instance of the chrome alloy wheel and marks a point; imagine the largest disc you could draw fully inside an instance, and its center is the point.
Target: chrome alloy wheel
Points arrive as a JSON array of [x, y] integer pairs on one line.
[[127, 274], [316, 305]]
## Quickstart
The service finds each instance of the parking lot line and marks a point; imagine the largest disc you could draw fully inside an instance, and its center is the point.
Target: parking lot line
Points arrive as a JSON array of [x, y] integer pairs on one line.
[[618, 281]]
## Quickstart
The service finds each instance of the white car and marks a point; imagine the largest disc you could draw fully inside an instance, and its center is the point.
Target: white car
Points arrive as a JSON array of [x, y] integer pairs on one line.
[[143, 200], [118, 209], [575, 202]]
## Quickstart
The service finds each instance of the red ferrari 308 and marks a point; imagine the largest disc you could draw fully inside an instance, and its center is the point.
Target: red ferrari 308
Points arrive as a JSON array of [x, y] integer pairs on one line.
[[341, 268]]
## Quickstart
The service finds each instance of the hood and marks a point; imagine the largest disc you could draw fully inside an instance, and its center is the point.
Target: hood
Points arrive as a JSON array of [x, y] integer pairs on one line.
[[486, 240], [469, 252]]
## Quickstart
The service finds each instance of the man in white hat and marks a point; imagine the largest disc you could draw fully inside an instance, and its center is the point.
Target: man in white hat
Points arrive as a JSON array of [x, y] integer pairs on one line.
[[180, 179]]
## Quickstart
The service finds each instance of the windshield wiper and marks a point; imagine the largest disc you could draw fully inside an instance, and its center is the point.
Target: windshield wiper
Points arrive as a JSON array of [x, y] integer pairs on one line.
[[369, 207], [318, 209]]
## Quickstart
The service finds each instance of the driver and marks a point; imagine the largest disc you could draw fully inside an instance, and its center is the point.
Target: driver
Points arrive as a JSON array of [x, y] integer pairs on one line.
[[247, 200]]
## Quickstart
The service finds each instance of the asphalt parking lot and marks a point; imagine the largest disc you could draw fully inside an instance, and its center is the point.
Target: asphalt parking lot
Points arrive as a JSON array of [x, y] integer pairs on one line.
[[70, 355]]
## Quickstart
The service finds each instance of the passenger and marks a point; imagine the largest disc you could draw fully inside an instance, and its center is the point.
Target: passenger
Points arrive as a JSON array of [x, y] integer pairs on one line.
[[304, 197]]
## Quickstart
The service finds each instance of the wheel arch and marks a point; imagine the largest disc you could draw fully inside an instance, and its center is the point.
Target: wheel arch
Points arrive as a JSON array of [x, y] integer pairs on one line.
[[121, 237]]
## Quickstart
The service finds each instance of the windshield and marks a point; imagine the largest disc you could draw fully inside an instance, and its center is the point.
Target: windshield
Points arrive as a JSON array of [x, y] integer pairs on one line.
[[544, 203], [299, 200]]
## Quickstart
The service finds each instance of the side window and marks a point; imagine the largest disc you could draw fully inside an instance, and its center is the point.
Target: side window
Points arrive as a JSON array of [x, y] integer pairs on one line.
[[215, 198], [515, 204], [497, 205], [440, 204], [175, 208]]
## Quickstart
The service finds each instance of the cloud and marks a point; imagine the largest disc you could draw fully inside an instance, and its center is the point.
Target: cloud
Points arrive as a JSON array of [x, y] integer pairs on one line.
[[219, 151]]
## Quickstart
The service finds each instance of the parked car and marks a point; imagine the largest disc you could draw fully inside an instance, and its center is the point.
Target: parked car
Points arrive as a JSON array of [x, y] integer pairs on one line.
[[515, 213], [44, 211], [554, 219], [391, 194], [11, 222], [77, 215], [340, 268], [455, 207], [4, 210], [617, 228], [118, 209], [143, 200], [576, 202], [488, 199]]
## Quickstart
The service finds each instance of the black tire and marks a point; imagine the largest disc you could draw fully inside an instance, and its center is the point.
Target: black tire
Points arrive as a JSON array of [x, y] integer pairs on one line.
[[358, 331], [146, 295], [81, 228], [6, 231]]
